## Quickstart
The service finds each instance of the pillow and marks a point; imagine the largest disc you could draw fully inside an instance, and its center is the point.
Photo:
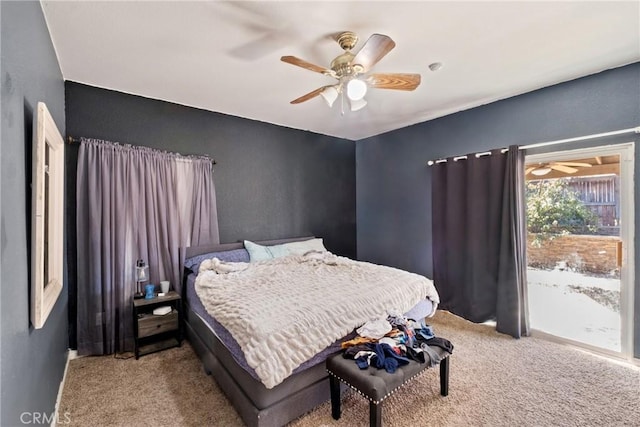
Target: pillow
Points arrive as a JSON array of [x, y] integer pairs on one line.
[[278, 251], [260, 252], [257, 252], [236, 255]]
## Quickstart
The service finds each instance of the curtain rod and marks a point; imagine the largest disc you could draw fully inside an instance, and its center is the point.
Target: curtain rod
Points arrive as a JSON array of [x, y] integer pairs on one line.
[[72, 140], [547, 143]]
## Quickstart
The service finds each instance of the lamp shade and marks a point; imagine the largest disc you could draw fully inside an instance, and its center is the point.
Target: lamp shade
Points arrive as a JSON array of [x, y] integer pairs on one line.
[[329, 94], [358, 104], [356, 89]]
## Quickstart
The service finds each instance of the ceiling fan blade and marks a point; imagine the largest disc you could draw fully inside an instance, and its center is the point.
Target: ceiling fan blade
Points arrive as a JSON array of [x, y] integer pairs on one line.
[[373, 51], [304, 64], [529, 169], [561, 168], [396, 81], [579, 164], [309, 95]]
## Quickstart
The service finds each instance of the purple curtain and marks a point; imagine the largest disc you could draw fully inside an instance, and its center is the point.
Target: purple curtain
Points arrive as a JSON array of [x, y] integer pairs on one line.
[[479, 239], [133, 203]]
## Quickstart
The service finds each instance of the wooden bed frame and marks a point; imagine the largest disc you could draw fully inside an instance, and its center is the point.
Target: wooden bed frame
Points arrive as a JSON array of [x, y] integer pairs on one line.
[[256, 405]]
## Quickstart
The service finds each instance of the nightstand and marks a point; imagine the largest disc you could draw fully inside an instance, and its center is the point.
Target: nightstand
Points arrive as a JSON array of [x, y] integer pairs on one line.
[[157, 332]]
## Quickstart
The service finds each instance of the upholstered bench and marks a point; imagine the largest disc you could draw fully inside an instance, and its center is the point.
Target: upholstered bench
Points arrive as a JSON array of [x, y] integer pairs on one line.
[[377, 384]]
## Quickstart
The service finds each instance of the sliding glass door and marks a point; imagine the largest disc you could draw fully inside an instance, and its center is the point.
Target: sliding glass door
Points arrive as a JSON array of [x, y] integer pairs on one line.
[[580, 246]]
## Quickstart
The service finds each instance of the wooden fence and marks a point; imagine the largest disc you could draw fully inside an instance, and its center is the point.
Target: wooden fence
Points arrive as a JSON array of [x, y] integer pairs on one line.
[[601, 195]]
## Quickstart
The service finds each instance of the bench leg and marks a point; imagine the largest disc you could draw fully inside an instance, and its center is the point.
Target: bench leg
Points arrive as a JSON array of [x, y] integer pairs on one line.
[[334, 385], [375, 414], [444, 376]]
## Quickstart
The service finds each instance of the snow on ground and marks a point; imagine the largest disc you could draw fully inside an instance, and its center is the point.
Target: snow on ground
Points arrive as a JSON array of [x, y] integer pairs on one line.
[[559, 305]]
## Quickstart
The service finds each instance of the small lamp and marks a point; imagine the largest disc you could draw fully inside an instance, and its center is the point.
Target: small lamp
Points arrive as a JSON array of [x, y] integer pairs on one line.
[[142, 275]]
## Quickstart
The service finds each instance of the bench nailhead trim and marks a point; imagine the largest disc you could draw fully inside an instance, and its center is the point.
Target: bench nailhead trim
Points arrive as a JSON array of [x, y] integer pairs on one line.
[[376, 402]]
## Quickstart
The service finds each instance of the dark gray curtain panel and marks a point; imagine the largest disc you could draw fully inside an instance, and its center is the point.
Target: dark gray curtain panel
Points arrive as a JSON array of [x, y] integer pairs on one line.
[[133, 203], [479, 239]]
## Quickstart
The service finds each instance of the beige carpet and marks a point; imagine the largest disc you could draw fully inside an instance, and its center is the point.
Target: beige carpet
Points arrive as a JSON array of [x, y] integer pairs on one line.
[[495, 381]]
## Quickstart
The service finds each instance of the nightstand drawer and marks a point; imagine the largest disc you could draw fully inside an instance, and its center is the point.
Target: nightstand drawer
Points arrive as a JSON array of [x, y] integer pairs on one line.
[[150, 324]]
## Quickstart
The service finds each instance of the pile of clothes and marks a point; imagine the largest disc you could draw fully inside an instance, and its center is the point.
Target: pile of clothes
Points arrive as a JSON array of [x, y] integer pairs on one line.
[[394, 341]]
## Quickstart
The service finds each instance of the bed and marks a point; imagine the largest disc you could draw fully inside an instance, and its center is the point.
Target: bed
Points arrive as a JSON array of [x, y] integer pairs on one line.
[[281, 400]]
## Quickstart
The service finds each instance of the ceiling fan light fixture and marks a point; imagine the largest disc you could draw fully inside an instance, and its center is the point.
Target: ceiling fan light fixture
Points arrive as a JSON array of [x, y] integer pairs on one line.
[[351, 70], [541, 171], [356, 89], [329, 94], [357, 104]]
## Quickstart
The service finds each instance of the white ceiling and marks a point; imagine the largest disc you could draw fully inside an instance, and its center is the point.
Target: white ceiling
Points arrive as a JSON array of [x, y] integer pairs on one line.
[[225, 56]]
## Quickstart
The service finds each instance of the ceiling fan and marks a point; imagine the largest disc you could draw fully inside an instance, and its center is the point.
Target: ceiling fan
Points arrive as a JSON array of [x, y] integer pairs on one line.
[[349, 69], [565, 167]]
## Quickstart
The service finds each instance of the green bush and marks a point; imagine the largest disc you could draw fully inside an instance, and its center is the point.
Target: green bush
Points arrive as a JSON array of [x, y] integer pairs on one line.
[[555, 209]]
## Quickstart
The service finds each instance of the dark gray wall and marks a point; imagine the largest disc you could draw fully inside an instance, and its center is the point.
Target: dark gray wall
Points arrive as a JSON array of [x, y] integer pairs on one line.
[[394, 183], [32, 361], [271, 182]]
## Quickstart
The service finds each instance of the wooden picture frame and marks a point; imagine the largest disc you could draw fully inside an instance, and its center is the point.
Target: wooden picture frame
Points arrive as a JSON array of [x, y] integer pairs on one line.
[[47, 217]]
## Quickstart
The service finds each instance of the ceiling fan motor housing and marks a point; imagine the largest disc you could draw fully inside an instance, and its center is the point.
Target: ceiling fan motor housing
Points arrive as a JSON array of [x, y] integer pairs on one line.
[[342, 65]]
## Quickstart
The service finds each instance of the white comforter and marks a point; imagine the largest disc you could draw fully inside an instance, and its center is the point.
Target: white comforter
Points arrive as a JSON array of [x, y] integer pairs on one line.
[[284, 311]]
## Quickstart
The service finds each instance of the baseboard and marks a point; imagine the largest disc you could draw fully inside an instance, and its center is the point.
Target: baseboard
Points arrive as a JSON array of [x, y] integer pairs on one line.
[[71, 354]]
